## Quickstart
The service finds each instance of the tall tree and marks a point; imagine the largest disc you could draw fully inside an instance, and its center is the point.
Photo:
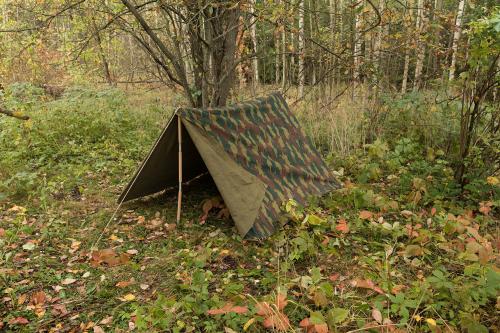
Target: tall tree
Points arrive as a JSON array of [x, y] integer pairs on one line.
[[302, 72], [358, 41], [406, 67], [420, 27], [253, 34], [456, 38], [284, 51], [213, 31]]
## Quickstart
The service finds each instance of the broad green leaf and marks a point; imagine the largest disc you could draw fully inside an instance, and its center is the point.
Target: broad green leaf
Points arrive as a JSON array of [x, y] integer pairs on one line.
[[337, 315]]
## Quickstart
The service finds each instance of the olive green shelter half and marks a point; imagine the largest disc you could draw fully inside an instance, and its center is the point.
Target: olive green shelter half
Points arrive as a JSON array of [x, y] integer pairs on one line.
[[255, 152]]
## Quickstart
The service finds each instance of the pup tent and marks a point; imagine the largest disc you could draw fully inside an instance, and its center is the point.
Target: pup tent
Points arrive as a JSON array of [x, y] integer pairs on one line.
[[255, 152]]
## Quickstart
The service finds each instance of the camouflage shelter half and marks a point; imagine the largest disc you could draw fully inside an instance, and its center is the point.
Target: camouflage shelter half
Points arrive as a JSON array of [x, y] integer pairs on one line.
[[255, 152]]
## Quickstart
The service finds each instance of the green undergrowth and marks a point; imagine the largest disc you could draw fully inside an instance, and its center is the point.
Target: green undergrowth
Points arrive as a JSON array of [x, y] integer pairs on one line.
[[399, 248]]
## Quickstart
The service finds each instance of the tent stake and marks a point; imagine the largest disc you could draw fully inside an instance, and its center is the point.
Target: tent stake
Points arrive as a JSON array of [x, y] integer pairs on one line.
[[179, 139]]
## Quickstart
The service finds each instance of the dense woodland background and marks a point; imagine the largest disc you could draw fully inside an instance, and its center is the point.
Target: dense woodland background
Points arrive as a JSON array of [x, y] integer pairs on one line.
[[400, 96]]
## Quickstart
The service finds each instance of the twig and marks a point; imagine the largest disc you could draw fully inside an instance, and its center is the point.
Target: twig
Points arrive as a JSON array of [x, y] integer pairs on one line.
[[13, 114]]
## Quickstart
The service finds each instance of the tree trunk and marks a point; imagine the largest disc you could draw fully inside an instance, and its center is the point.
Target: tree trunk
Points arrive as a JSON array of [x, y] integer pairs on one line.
[[406, 67], [104, 61], [301, 74], [420, 25], [333, 22], [240, 47], [277, 72], [253, 33], [405, 70], [456, 38], [358, 43], [378, 41], [284, 68]]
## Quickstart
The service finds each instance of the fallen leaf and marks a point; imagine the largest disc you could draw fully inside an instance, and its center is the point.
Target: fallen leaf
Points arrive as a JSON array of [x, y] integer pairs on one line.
[[98, 329], [313, 328], [228, 308], [68, 281], [320, 298], [248, 324], [128, 298], [21, 299], [485, 207], [59, 310], [123, 284], [155, 223], [2, 232], [132, 251], [106, 321], [144, 286], [170, 226], [38, 298], [406, 213], [377, 315], [18, 321], [75, 245], [366, 284], [108, 257], [334, 277], [57, 288], [492, 180], [365, 215], [342, 226], [431, 322], [305, 323], [29, 246], [39, 311], [17, 208], [413, 250], [397, 289]]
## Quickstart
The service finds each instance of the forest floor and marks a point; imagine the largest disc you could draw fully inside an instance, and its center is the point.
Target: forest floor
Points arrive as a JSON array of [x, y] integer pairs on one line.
[[394, 250]]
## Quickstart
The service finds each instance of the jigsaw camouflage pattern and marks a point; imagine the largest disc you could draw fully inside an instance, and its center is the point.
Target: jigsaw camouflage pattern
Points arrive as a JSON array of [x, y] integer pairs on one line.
[[265, 138]]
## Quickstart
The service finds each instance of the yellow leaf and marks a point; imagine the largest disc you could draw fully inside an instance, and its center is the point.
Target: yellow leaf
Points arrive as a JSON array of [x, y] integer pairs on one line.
[[129, 297], [492, 180], [248, 324], [431, 322], [417, 318]]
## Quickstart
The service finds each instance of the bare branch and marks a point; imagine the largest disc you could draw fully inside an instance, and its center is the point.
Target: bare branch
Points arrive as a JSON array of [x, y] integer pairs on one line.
[[13, 114]]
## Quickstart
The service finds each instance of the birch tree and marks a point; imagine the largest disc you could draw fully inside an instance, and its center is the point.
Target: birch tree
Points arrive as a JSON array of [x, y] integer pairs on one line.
[[253, 34], [456, 38], [420, 27], [301, 42], [406, 66], [357, 42]]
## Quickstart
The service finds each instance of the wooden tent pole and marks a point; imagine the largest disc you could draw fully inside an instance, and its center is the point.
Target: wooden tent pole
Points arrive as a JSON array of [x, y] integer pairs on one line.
[[179, 139]]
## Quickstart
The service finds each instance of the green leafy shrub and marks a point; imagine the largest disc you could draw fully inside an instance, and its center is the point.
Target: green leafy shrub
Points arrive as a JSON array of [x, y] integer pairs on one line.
[[85, 132]]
